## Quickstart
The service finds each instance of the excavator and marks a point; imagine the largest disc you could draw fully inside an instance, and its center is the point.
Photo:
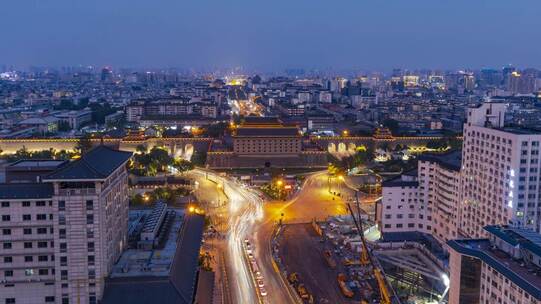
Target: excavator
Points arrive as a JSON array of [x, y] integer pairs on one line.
[[366, 259]]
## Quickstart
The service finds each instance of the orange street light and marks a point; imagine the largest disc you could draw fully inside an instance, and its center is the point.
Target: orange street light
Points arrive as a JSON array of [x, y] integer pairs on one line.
[[279, 183], [345, 133]]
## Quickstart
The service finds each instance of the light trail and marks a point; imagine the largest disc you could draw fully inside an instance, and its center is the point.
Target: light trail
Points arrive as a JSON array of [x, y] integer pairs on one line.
[[245, 210]]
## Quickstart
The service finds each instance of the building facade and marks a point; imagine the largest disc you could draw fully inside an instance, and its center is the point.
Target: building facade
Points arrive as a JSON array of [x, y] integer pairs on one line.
[[504, 268], [425, 200], [63, 235], [500, 173]]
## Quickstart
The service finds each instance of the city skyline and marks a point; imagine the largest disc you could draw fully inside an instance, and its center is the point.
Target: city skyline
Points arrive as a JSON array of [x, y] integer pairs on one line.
[[320, 35]]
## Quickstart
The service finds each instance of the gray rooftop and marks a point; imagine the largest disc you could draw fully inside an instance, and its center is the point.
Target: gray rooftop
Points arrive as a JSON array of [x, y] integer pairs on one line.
[[97, 163], [176, 286], [37, 163], [26, 191]]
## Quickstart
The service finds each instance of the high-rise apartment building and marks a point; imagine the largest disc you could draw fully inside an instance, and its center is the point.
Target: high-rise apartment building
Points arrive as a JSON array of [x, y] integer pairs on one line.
[[61, 237], [426, 201], [500, 173], [495, 182]]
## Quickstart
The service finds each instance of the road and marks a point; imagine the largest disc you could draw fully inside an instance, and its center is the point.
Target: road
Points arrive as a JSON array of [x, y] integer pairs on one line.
[[250, 218], [245, 208]]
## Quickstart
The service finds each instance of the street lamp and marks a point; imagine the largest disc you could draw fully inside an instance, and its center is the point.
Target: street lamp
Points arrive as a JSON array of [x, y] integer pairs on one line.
[[345, 133]]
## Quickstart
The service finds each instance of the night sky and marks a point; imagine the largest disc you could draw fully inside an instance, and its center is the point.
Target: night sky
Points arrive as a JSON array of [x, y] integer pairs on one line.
[[272, 35]]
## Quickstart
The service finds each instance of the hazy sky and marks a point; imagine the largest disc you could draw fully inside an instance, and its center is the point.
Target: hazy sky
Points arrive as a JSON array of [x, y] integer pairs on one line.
[[272, 34]]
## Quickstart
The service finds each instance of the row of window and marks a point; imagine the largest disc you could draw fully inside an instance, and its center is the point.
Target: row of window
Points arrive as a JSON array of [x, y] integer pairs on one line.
[[28, 245], [27, 217], [29, 258], [6, 204]]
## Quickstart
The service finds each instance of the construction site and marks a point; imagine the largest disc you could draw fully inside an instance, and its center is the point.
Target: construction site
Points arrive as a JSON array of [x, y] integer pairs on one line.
[[331, 261]]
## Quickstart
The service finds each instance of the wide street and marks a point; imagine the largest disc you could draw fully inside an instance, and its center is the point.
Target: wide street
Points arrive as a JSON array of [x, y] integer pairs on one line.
[[252, 219]]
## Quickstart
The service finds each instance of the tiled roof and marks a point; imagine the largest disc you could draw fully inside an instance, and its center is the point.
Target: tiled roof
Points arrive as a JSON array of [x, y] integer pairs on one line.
[[26, 191], [267, 132], [97, 163]]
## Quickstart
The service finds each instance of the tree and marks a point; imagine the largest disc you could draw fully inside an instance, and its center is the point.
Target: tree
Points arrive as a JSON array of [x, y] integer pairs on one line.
[[84, 144], [216, 130], [141, 149], [160, 157]]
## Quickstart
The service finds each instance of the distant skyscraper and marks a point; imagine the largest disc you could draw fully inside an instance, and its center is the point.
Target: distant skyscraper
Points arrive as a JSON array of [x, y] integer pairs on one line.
[[106, 74]]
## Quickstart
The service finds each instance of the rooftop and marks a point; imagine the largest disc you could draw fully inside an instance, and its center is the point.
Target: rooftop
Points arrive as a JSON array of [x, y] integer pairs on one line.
[[26, 191], [267, 131], [97, 163], [159, 276], [451, 160], [29, 164], [525, 277]]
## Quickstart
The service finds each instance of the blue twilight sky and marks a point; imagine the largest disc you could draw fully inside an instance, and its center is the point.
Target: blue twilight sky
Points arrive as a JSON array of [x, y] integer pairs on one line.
[[272, 34]]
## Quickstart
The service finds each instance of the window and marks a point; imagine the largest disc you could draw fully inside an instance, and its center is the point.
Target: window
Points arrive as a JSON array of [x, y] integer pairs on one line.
[[26, 204], [27, 231], [10, 300], [89, 205], [43, 258], [63, 261], [28, 258], [42, 230], [63, 274], [6, 218], [90, 246], [8, 273], [5, 204], [6, 245], [27, 217], [61, 219], [49, 299], [43, 272], [6, 231], [42, 244], [90, 219], [40, 204], [62, 233], [27, 245], [63, 247], [8, 259], [65, 301], [61, 205], [91, 260], [41, 217]]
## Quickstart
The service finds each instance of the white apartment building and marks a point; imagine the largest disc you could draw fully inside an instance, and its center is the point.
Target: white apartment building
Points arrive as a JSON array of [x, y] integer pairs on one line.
[[496, 182], [500, 173], [61, 237], [425, 200]]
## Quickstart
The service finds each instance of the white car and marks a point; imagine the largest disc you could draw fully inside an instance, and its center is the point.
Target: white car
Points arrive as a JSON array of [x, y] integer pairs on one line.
[[263, 291], [260, 283]]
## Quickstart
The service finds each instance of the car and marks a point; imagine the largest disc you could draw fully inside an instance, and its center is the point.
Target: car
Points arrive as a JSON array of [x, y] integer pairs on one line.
[[263, 291], [260, 283], [258, 275]]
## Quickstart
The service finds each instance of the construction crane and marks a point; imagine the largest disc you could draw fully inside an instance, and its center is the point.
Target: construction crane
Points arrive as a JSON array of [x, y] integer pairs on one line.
[[366, 259]]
